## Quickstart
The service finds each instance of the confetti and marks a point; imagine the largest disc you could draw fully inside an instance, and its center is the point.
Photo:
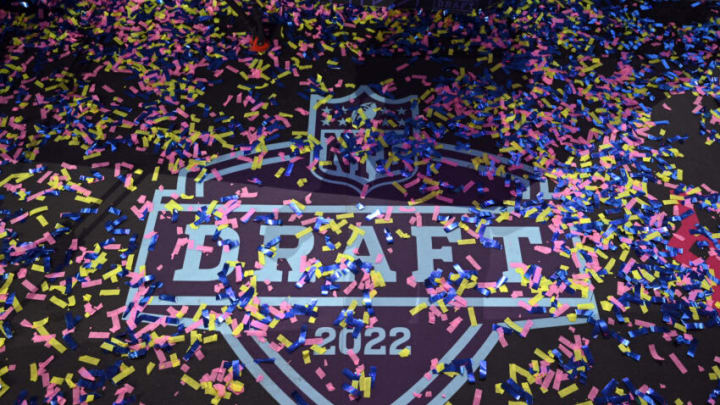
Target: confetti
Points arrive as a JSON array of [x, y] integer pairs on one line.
[[586, 118]]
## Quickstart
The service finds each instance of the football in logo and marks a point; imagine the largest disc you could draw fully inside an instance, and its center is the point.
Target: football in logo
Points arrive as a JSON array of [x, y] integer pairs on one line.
[[363, 275]]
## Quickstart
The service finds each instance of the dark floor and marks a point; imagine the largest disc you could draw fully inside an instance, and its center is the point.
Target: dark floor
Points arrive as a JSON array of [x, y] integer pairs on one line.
[[590, 124]]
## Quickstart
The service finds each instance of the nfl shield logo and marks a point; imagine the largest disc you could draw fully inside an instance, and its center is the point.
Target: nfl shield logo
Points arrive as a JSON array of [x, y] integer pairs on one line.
[[320, 297], [343, 124]]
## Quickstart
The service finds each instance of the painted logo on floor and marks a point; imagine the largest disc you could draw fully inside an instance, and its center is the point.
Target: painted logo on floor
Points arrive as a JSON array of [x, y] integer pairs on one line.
[[384, 286], [341, 127]]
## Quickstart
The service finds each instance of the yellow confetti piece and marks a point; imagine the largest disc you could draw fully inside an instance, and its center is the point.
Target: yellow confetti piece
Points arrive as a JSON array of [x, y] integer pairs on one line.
[[68, 380], [7, 179], [238, 330], [419, 307], [543, 356], [57, 301], [365, 383], [173, 205], [92, 156], [377, 278], [306, 356], [88, 200], [57, 345], [190, 381], [89, 360], [38, 210], [210, 339], [404, 352], [512, 325], [568, 390], [317, 349], [123, 374], [304, 232], [653, 235], [110, 292], [177, 339], [284, 341], [442, 306], [399, 188], [471, 315], [425, 198], [325, 100]]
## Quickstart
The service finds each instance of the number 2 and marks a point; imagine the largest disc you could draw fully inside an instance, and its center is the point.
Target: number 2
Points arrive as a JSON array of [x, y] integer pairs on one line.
[[370, 348], [331, 334], [395, 346]]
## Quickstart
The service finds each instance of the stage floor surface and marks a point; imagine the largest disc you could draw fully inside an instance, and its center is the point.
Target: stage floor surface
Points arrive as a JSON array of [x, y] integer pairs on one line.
[[513, 204]]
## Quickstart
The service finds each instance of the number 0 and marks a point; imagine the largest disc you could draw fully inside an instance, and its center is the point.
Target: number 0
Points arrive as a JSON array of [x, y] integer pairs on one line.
[[342, 344]]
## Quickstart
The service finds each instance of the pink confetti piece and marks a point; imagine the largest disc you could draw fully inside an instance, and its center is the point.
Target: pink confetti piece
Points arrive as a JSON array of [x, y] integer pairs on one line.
[[91, 283], [593, 393], [548, 379], [247, 215], [617, 303], [472, 262], [559, 378], [468, 186], [350, 287], [501, 337], [454, 324], [86, 374], [30, 286], [436, 212], [19, 218], [680, 366], [355, 359], [526, 328], [411, 281], [364, 191], [643, 324], [477, 396]]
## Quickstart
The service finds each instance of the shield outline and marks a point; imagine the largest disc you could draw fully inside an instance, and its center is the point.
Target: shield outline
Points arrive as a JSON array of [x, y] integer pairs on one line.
[[363, 89], [273, 389]]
